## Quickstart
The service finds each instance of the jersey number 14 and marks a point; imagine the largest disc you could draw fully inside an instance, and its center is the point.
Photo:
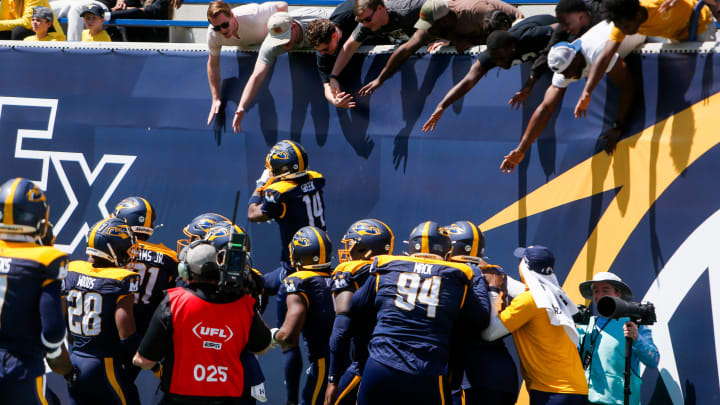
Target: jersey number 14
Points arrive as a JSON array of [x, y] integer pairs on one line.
[[314, 206]]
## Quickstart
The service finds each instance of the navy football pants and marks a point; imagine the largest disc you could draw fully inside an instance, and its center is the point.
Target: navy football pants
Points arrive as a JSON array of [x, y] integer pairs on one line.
[[382, 385], [101, 381]]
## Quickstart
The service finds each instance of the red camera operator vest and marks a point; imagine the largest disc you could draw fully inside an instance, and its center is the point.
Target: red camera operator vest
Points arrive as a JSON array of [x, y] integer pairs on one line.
[[208, 339]]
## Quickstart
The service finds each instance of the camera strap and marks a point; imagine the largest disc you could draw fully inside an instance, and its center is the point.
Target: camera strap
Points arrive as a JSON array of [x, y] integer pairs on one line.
[[587, 353]]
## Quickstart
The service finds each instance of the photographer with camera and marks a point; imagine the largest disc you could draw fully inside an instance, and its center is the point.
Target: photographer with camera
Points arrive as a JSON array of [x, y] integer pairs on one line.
[[200, 331], [602, 340]]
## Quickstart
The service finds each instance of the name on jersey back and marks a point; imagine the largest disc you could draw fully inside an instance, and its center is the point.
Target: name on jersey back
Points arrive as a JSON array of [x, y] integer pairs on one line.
[[146, 256]]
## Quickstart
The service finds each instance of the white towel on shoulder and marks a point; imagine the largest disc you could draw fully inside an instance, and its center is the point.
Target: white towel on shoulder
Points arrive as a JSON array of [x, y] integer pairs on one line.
[[547, 294]]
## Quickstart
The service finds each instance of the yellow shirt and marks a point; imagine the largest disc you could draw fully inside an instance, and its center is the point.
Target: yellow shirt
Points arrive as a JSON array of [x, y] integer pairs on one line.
[[51, 36], [101, 36], [673, 24], [12, 15], [549, 361]]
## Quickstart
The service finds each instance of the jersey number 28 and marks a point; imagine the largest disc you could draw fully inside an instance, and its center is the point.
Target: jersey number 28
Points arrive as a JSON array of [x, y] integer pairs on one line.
[[88, 308]]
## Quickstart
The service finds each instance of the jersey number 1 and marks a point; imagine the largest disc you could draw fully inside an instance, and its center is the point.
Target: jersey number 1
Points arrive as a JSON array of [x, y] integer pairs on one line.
[[410, 290]]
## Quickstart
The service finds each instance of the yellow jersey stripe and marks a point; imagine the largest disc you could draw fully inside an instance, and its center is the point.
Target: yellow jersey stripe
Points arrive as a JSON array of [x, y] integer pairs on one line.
[[91, 238], [321, 377], [355, 381], [442, 394], [110, 372], [301, 161], [40, 386], [322, 246], [148, 216], [424, 241], [392, 236], [8, 211], [476, 237]]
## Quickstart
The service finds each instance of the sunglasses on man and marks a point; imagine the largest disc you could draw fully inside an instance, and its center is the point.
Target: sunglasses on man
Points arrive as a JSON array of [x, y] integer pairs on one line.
[[221, 26], [366, 19]]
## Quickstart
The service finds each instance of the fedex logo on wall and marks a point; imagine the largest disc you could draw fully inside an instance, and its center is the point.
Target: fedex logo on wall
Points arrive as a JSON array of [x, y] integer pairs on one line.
[[29, 145]]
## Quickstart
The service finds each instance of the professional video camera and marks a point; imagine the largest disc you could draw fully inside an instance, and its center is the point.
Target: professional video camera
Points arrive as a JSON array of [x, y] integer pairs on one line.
[[613, 307], [234, 270], [582, 317]]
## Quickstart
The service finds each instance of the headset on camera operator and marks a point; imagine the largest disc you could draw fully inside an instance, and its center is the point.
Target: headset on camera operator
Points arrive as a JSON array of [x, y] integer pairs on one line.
[[602, 342], [200, 331]]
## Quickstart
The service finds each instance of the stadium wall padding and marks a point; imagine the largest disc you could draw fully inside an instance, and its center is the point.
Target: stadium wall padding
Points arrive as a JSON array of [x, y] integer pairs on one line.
[[96, 125]]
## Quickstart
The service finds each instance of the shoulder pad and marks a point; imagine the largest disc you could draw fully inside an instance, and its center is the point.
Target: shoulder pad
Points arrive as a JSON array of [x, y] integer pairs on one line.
[[351, 266], [281, 187], [314, 175]]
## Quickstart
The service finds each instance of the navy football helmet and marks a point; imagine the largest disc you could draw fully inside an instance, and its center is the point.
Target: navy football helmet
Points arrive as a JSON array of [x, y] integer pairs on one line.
[[429, 238], [219, 235], [197, 228], [366, 238], [287, 159], [24, 208], [111, 240], [468, 242], [310, 248], [138, 214]]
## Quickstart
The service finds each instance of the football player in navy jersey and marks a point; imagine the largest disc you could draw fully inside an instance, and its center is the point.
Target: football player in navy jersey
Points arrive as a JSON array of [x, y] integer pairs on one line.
[[32, 326], [100, 294], [363, 240], [254, 379], [154, 262], [417, 301], [490, 373], [309, 307], [292, 195]]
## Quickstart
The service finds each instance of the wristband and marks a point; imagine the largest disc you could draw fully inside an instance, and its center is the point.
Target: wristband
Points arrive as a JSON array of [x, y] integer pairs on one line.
[[333, 77], [495, 289], [54, 354], [255, 200], [616, 125]]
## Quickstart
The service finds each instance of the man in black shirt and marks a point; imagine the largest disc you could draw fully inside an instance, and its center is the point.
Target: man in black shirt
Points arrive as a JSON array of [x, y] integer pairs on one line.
[[381, 22], [523, 42], [575, 17], [328, 36], [199, 333]]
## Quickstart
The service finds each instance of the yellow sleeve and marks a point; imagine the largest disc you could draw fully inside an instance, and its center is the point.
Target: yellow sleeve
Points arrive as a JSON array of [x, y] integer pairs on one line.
[[616, 35], [521, 309], [30, 38], [24, 21]]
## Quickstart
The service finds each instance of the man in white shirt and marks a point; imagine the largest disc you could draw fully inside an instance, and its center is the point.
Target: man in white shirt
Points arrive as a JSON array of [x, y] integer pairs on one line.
[[286, 31], [572, 62], [242, 26]]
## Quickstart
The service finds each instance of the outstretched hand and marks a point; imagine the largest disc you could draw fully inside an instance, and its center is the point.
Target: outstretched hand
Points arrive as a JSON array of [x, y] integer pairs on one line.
[[518, 100], [369, 88], [582, 105], [237, 120], [433, 120], [214, 110], [511, 160], [344, 100]]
